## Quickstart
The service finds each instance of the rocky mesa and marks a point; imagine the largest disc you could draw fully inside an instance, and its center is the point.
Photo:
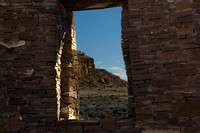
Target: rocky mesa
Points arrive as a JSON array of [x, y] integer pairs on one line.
[[90, 77]]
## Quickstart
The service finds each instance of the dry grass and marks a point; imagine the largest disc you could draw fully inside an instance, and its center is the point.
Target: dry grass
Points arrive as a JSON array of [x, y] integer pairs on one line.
[[103, 103]]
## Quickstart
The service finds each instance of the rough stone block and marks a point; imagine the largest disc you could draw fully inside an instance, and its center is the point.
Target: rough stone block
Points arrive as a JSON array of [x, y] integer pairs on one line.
[[13, 44], [183, 5], [92, 127], [14, 126], [161, 131], [186, 109], [186, 31], [20, 22]]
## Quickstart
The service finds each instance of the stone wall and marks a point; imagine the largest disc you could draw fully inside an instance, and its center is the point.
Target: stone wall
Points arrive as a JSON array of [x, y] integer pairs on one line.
[[69, 76], [38, 66], [163, 46], [35, 37]]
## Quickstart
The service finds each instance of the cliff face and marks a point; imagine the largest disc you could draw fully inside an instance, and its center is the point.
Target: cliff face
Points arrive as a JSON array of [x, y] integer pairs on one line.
[[90, 77], [86, 64]]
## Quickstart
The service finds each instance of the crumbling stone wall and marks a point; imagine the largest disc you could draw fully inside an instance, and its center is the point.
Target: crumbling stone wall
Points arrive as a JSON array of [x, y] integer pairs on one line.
[[38, 66]]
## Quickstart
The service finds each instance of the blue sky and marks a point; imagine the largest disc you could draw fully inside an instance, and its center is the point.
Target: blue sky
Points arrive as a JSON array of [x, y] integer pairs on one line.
[[98, 34]]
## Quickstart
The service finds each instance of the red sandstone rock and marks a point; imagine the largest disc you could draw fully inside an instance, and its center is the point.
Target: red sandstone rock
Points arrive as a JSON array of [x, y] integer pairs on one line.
[[9, 36], [191, 109], [183, 4], [21, 22]]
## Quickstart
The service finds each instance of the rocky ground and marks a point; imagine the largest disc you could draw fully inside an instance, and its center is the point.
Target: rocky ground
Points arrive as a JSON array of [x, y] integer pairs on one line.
[[103, 103]]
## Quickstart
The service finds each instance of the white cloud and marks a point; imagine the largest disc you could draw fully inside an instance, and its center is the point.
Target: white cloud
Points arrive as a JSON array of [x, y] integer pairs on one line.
[[115, 68], [99, 62], [103, 67]]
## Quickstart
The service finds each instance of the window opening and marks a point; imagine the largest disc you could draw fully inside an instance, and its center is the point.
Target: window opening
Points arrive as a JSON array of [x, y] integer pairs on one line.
[[102, 93]]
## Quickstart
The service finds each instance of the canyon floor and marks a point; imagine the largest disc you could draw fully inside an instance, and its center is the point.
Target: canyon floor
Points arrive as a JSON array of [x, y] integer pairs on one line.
[[100, 103]]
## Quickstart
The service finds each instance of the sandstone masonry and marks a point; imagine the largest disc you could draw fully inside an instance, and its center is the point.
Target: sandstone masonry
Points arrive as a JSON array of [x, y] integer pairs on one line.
[[39, 74]]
